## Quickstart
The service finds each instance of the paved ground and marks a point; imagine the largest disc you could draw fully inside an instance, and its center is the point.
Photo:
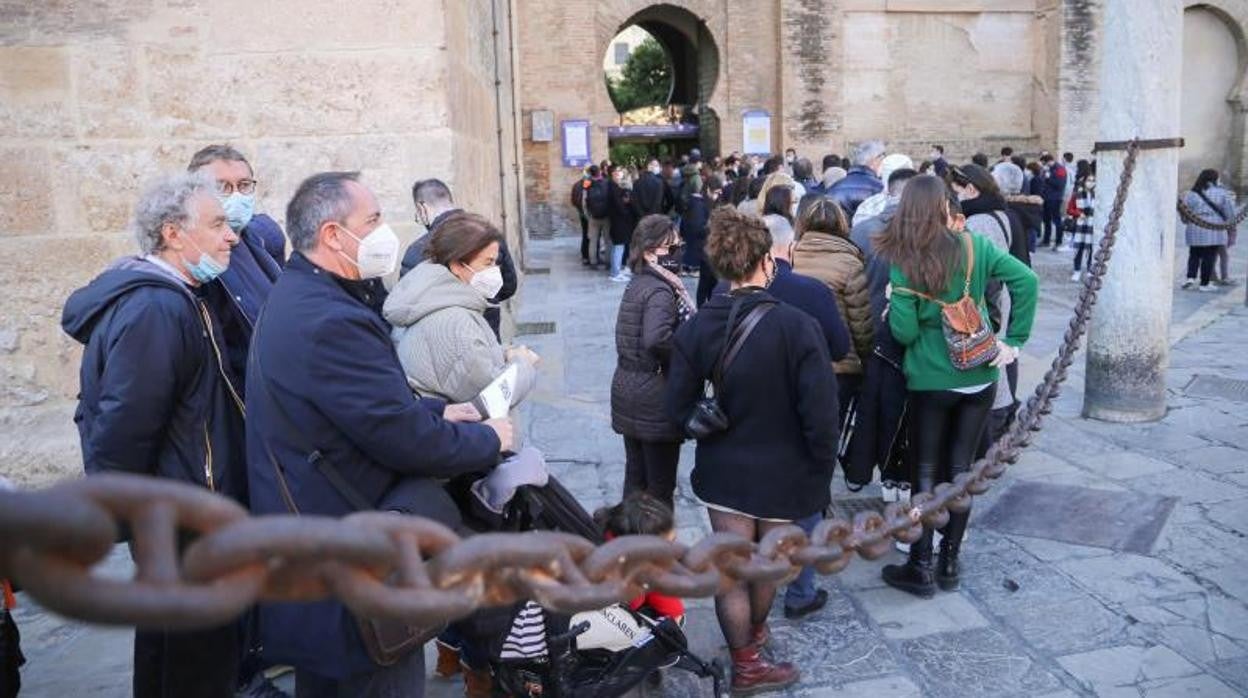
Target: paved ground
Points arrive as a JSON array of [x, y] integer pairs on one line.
[[1034, 617]]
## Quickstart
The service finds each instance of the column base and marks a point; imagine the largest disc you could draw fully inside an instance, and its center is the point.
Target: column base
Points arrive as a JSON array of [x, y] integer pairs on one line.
[[1125, 388]]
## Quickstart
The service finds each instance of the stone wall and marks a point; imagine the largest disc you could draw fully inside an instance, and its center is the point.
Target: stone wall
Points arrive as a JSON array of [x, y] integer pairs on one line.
[[1211, 75], [95, 98]]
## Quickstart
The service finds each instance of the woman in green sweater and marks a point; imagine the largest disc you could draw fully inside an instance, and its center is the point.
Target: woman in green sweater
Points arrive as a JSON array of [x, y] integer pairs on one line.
[[948, 406]]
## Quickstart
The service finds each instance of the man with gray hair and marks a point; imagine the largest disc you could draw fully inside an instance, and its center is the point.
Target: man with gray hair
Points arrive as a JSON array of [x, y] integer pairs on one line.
[[333, 427], [863, 179], [156, 398]]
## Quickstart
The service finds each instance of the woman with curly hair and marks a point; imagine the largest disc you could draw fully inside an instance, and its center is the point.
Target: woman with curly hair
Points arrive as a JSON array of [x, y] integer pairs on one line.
[[773, 463]]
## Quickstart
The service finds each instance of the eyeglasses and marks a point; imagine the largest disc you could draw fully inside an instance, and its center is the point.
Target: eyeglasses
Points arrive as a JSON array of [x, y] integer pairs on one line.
[[244, 186]]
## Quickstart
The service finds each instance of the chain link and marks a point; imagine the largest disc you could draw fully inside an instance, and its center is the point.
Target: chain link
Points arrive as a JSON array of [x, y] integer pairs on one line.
[[1189, 216], [385, 565]]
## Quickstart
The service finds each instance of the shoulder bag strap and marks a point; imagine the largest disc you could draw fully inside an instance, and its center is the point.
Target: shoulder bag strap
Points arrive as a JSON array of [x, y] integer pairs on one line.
[[296, 435], [747, 326], [970, 263], [1005, 227], [717, 370], [1217, 210]]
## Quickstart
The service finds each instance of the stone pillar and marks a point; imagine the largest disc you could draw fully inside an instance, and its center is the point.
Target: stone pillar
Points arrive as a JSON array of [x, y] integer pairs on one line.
[[1128, 343]]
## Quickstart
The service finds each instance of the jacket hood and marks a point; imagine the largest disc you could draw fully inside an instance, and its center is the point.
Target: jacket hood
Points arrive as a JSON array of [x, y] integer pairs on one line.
[[84, 306], [425, 290], [823, 242]]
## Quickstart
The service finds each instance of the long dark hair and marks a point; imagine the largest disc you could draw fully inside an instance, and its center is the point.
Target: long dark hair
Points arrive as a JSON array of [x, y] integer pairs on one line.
[[741, 188], [823, 216], [1206, 179], [652, 231], [918, 239], [779, 202], [1083, 170]]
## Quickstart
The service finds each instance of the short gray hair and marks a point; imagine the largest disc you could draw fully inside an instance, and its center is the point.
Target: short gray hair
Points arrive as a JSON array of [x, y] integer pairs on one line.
[[1009, 177], [168, 200], [781, 230], [320, 199], [210, 154], [867, 151]]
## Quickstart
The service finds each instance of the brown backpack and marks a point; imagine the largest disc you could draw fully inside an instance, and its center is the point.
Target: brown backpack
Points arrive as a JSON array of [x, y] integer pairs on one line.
[[968, 336]]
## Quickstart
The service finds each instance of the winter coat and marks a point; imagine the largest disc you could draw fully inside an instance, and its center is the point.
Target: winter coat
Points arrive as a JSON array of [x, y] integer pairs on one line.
[[620, 214], [651, 195], [1225, 211], [775, 460], [246, 284], [644, 327], [1030, 211], [155, 397], [335, 384], [810, 296], [839, 263], [415, 254], [693, 229], [268, 233], [857, 186], [447, 349], [1053, 186]]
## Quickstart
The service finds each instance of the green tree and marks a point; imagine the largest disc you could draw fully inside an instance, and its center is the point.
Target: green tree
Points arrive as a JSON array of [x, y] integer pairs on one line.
[[646, 79]]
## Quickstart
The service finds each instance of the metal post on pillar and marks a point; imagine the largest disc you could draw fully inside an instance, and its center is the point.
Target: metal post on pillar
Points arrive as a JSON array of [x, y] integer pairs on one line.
[[1128, 340]]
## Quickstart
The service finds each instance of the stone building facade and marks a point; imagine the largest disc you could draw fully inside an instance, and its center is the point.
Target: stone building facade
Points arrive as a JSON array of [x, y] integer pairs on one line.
[[96, 97]]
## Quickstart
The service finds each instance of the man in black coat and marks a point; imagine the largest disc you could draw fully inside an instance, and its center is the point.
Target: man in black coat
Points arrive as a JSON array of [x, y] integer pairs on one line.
[[863, 180], [434, 204], [650, 192], [157, 398], [325, 379]]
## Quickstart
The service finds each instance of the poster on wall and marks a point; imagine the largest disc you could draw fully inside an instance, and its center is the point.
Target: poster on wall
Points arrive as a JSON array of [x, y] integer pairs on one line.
[[575, 143], [756, 130]]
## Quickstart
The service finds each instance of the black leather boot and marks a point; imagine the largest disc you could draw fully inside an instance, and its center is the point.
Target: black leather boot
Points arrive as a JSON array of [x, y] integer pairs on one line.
[[914, 577], [950, 542]]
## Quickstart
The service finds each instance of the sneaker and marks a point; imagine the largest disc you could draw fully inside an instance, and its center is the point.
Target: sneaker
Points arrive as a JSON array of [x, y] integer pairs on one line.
[[261, 687], [888, 491], [1226, 282], [1065, 248], [820, 600], [1076, 276], [619, 278], [1207, 289], [1188, 284], [903, 492]]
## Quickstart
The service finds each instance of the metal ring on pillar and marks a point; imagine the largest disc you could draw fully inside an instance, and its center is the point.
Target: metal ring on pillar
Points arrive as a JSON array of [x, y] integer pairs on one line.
[[1152, 144]]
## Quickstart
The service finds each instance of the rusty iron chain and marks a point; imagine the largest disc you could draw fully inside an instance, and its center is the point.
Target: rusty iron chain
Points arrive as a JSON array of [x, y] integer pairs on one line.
[[387, 565], [1189, 216]]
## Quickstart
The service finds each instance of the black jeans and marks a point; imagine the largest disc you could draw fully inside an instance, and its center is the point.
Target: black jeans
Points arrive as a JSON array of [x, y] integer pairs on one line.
[[706, 283], [651, 466], [200, 664], [945, 432], [584, 239], [403, 679], [1202, 257], [1083, 248], [1052, 219]]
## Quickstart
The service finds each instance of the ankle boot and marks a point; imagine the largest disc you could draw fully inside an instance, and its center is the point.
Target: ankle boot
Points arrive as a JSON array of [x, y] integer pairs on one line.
[[950, 542], [752, 674], [914, 577], [448, 661], [760, 635], [478, 683]]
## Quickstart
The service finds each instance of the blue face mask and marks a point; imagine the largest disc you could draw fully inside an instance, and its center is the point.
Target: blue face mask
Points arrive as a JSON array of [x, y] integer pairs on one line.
[[206, 269], [239, 208]]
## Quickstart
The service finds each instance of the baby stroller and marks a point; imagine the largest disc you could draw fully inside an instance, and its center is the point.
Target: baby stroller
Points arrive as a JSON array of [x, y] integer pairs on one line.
[[596, 654]]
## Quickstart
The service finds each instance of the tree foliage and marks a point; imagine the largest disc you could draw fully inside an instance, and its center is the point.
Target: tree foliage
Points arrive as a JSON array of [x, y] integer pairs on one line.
[[646, 79]]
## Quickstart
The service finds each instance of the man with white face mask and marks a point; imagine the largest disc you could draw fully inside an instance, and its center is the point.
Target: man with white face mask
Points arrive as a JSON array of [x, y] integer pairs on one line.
[[333, 426]]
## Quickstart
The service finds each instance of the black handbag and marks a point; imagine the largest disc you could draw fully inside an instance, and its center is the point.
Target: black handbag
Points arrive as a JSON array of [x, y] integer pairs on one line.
[[707, 417]]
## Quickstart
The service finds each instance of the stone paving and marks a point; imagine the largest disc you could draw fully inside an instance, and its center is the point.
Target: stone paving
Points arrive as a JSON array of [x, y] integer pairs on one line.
[[1034, 617]]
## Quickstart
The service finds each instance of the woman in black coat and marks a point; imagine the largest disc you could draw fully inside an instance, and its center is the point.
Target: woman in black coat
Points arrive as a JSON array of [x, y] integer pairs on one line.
[[773, 464], [693, 226], [622, 219], [654, 305]]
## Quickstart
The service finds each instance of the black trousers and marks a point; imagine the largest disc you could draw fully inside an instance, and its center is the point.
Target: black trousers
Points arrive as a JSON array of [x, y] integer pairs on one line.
[[946, 428], [706, 283], [1052, 219], [404, 679], [1202, 257], [584, 238], [198, 664], [651, 466]]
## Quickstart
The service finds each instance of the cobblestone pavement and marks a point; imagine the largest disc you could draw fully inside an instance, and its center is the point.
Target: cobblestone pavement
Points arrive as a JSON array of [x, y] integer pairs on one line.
[[1035, 616]]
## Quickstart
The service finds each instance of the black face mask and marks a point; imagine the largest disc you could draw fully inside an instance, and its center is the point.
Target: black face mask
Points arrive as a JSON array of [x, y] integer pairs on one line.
[[671, 260]]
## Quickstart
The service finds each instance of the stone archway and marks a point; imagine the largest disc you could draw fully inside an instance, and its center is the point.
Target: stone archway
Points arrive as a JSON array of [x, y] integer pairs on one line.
[[1215, 89]]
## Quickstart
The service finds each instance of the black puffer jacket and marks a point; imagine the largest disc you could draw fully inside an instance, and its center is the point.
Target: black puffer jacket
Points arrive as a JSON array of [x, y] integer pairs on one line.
[[643, 344]]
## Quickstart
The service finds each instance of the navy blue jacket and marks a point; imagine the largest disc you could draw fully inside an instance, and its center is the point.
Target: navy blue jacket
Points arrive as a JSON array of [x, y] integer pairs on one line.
[[775, 460], [270, 235], [153, 397], [812, 297], [693, 229], [1054, 183], [246, 284], [329, 364], [415, 254], [857, 186]]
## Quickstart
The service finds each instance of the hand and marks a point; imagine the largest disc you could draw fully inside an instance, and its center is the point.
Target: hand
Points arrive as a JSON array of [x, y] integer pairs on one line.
[[1006, 355], [506, 433], [522, 353], [462, 412]]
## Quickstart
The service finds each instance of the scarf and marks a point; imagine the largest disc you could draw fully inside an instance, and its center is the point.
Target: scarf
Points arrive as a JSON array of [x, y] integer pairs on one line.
[[984, 203], [685, 307]]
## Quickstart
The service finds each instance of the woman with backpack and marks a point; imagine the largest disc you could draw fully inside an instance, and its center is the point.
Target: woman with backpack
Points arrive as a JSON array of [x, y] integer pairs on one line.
[[766, 443], [1209, 201], [937, 311]]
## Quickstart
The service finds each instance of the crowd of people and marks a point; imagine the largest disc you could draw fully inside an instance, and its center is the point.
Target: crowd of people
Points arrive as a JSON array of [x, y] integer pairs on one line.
[[870, 314]]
